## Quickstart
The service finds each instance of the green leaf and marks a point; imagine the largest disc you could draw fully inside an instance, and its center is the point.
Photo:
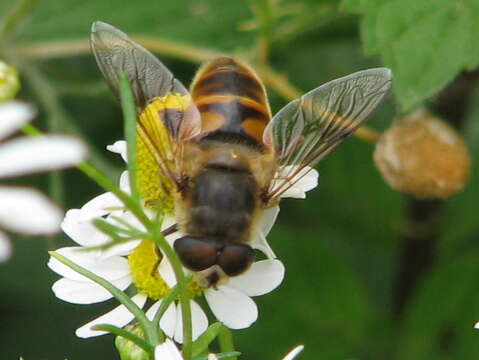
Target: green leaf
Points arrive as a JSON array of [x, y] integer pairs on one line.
[[427, 48], [205, 23], [439, 323], [369, 26], [203, 342], [425, 43]]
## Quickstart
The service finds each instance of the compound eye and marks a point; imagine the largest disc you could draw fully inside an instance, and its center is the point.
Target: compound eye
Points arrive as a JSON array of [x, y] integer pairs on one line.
[[196, 254], [235, 259]]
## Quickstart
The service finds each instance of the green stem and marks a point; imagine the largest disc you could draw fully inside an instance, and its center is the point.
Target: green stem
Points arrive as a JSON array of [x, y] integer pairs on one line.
[[167, 300], [15, 15], [112, 289], [56, 187], [263, 12], [125, 334], [129, 115], [31, 130], [107, 184], [184, 294], [225, 338]]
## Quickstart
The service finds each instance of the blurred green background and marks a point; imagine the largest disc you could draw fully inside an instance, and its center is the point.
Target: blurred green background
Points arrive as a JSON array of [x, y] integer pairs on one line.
[[341, 246]]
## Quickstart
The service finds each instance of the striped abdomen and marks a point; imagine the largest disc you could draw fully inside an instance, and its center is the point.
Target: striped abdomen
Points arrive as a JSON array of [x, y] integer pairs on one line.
[[232, 101]]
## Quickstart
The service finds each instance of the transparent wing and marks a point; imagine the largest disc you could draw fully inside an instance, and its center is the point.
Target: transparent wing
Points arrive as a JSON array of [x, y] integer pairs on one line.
[[167, 114], [308, 128], [115, 53]]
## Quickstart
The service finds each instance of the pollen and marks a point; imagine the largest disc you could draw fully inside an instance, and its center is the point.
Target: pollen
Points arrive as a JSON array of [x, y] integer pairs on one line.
[[144, 261], [195, 289], [155, 149], [153, 185]]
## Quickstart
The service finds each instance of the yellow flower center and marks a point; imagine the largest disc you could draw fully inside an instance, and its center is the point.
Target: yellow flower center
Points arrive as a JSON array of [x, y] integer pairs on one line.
[[144, 261], [194, 288], [154, 147]]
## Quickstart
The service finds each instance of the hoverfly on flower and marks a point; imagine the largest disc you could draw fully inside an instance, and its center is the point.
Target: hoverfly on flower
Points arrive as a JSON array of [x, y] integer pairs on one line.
[[214, 156]]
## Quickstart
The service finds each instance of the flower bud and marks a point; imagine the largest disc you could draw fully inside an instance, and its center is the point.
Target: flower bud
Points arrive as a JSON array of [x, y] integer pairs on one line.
[[129, 350], [423, 156], [9, 82]]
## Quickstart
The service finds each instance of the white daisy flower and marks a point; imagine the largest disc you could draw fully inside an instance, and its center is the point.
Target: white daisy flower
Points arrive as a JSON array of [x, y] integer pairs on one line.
[[132, 263], [25, 210], [125, 264], [230, 300]]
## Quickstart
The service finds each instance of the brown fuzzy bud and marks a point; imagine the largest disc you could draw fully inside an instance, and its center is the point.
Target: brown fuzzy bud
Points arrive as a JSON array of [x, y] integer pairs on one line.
[[423, 156]]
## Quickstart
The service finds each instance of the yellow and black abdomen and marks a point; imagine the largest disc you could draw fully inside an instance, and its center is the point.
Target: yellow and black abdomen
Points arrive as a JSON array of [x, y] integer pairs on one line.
[[232, 102]]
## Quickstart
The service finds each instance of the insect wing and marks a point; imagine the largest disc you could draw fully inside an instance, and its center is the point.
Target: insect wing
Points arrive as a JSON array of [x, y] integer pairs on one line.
[[168, 116], [115, 54], [308, 128]]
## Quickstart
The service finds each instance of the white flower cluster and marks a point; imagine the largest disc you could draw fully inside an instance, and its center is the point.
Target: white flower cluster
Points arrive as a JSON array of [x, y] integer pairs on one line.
[[229, 301], [25, 210]]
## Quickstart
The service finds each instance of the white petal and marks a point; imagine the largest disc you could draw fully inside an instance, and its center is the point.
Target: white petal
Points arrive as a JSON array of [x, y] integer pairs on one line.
[[122, 249], [127, 217], [232, 307], [198, 319], [167, 351], [166, 272], [308, 179], [77, 292], [100, 205], [119, 147], [42, 153], [81, 229], [268, 218], [261, 278], [109, 269], [167, 321], [292, 354], [259, 242], [28, 211], [13, 115], [125, 248], [119, 316], [125, 182], [5, 247]]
